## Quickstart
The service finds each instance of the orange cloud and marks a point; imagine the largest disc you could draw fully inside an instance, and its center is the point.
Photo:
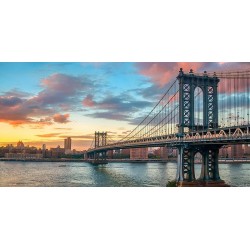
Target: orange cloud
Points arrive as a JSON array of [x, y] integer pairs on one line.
[[49, 135], [61, 118]]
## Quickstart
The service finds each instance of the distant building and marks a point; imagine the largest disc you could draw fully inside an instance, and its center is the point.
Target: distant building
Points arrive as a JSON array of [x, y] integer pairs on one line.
[[125, 151], [161, 152], [116, 151], [235, 151], [10, 147], [110, 154], [246, 149], [67, 145], [44, 150], [23, 156], [20, 145], [138, 153], [223, 153], [57, 152]]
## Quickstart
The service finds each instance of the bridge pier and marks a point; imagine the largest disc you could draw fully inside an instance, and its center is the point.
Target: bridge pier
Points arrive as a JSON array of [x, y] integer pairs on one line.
[[210, 167], [100, 158]]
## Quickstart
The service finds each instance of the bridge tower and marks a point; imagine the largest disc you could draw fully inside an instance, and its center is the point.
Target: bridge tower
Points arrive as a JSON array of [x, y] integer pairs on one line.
[[100, 139], [186, 151], [99, 156]]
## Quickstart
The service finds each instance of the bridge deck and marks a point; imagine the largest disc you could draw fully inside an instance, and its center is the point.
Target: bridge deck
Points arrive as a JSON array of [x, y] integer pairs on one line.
[[220, 136]]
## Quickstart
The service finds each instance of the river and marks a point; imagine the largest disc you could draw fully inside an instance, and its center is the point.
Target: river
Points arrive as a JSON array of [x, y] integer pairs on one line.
[[77, 174]]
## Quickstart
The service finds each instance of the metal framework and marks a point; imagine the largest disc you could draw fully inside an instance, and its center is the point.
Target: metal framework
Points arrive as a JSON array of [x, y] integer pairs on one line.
[[100, 139], [187, 85]]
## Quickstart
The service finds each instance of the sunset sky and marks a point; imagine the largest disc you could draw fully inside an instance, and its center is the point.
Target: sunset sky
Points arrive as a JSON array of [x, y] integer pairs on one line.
[[46, 102]]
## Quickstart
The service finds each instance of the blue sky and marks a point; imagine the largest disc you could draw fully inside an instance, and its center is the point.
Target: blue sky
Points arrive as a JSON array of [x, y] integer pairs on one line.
[[45, 102]]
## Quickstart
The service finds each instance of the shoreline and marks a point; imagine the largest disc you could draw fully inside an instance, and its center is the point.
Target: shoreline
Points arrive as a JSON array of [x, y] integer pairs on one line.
[[224, 161]]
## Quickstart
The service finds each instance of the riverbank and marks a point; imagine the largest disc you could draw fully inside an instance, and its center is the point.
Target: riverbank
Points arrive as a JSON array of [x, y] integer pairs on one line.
[[221, 161], [44, 160]]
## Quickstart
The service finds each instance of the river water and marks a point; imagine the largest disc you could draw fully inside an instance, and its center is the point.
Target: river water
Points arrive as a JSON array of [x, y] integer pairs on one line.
[[77, 174]]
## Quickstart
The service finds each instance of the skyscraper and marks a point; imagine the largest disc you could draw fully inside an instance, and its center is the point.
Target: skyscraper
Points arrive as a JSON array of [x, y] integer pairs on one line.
[[44, 150], [67, 145]]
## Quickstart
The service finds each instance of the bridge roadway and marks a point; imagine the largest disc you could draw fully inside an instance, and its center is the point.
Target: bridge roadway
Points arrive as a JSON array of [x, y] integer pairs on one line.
[[221, 136]]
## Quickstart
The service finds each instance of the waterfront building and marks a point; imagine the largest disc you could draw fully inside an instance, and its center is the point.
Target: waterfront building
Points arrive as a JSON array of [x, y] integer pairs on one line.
[[44, 150], [57, 152], [223, 153], [110, 154], [138, 153], [67, 145], [246, 149], [235, 151], [20, 145], [22, 156], [161, 152]]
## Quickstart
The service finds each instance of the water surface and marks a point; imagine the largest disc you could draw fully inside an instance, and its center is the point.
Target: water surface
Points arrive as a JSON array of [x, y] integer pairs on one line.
[[77, 174]]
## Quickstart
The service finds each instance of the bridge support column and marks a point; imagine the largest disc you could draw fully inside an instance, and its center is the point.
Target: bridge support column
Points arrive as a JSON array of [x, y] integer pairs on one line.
[[210, 176], [185, 165], [209, 171], [210, 164], [100, 157]]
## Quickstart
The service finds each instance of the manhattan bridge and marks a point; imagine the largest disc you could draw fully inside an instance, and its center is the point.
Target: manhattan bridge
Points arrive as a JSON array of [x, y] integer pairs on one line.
[[199, 113]]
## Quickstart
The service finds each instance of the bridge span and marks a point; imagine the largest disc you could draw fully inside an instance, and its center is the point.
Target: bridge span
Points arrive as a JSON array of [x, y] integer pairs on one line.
[[200, 112]]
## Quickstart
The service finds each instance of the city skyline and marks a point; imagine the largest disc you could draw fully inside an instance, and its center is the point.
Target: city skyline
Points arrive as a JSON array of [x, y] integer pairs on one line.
[[47, 102]]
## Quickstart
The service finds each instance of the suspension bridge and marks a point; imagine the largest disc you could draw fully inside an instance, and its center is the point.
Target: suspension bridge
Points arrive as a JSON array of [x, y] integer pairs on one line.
[[199, 113]]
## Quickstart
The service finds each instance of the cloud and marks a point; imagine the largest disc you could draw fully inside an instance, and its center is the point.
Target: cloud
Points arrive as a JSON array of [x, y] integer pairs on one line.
[[17, 93], [88, 101], [62, 88], [49, 135], [63, 128], [60, 118], [110, 116], [60, 93], [10, 101], [160, 73], [120, 103], [120, 107], [87, 137]]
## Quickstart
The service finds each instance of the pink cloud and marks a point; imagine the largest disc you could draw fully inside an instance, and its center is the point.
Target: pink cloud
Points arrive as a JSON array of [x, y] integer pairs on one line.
[[88, 101], [62, 83], [60, 118], [161, 73]]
